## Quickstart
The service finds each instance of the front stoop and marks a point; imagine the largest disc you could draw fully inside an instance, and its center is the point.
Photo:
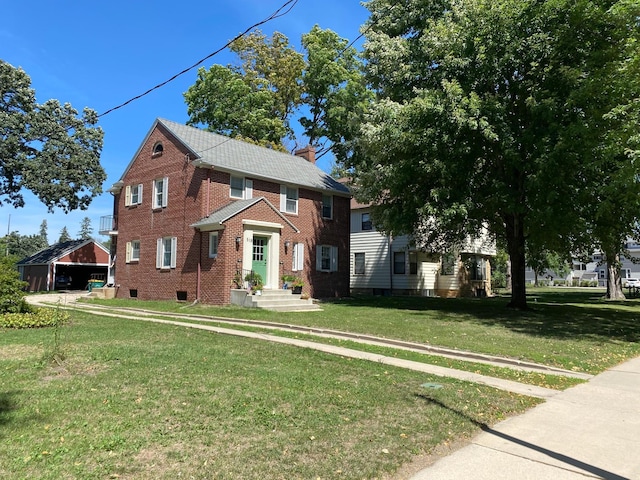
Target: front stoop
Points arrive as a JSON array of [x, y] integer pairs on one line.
[[281, 301]]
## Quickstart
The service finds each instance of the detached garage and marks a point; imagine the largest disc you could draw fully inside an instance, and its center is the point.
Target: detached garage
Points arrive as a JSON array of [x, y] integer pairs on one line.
[[65, 266]]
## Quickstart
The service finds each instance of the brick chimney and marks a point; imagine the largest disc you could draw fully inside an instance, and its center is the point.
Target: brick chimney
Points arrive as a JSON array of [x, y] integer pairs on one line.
[[308, 153]]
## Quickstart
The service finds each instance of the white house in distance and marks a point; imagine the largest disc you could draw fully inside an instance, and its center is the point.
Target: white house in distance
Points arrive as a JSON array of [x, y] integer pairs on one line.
[[384, 265], [586, 274]]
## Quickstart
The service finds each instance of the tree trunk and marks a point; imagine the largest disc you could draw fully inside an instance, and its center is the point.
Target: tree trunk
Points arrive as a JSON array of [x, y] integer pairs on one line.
[[515, 247], [508, 285], [614, 282]]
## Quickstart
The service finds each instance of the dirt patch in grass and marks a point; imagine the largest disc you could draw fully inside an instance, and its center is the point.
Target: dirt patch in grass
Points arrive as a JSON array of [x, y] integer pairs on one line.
[[19, 352]]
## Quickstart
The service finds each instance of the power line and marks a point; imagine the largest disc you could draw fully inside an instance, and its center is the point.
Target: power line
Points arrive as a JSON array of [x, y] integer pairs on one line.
[[284, 9]]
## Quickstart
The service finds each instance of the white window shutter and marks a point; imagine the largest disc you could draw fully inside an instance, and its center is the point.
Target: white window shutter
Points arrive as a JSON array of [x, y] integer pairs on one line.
[[174, 251], [128, 253], [283, 198], [248, 189], [294, 257], [140, 193], [159, 253], [127, 196], [165, 191], [300, 257], [334, 259]]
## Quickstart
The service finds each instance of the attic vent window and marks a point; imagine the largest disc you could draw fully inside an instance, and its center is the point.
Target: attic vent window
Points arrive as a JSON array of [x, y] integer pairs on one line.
[[158, 149]]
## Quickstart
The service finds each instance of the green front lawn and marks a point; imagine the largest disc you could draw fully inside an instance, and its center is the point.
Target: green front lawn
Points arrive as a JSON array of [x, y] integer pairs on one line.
[[569, 328], [138, 400]]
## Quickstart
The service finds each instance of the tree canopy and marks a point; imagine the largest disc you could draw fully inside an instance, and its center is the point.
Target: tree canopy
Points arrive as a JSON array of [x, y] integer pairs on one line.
[[258, 100], [484, 116], [46, 148]]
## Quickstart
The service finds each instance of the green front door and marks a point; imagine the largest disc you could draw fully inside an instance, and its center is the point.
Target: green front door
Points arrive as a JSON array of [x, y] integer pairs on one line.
[[259, 262]]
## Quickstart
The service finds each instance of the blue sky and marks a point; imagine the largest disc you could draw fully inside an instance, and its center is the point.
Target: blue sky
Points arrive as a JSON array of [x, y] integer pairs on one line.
[[100, 54]]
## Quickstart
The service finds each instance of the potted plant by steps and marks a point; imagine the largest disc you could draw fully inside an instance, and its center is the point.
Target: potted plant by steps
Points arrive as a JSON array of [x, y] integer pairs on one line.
[[255, 282], [287, 280], [296, 285]]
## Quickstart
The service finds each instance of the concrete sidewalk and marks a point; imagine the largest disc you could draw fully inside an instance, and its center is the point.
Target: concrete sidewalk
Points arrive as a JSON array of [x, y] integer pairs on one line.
[[588, 431]]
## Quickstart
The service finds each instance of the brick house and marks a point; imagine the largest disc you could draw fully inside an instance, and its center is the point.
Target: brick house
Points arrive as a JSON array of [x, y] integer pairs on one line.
[[193, 210]]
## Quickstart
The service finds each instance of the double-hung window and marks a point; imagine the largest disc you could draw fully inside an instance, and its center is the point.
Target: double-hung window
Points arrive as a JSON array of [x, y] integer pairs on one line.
[[366, 222], [399, 266], [288, 199], [213, 244], [160, 192], [133, 251], [240, 187], [327, 258], [166, 252], [327, 206], [358, 263], [133, 195]]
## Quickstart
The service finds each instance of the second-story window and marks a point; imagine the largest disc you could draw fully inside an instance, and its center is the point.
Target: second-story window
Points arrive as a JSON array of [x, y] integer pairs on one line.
[[160, 192], [366, 222], [327, 206], [288, 199], [240, 187], [237, 187]]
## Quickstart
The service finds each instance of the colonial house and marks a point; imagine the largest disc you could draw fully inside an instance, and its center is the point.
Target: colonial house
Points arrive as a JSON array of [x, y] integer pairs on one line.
[[384, 265], [196, 212]]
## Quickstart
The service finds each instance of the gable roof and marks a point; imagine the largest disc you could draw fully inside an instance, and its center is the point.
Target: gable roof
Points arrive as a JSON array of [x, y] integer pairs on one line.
[[232, 209], [56, 251], [245, 159]]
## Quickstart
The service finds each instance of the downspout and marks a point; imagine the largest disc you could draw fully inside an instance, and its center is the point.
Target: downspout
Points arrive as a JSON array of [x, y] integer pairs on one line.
[[199, 269], [389, 246]]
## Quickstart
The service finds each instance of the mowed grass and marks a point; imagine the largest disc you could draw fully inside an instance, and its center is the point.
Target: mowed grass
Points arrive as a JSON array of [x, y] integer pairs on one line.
[[575, 329], [138, 400]]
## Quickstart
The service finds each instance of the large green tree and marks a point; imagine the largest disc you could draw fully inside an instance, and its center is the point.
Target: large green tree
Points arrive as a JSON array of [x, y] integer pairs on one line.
[[612, 212], [254, 100], [335, 91], [46, 148], [274, 84], [480, 111]]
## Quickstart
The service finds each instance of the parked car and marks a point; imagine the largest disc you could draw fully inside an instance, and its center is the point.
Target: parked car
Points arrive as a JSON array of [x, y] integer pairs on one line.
[[63, 282], [631, 282]]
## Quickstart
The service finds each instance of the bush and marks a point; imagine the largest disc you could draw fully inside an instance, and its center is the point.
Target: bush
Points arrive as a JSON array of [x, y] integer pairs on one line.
[[11, 288], [38, 318]]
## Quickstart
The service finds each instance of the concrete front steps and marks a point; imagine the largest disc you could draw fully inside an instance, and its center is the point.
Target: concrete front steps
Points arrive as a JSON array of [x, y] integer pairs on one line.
[[277, 300]]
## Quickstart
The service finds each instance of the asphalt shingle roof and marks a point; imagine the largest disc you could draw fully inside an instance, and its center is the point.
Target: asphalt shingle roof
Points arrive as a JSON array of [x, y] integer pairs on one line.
[[53, 252], [232, 209], [251, 160]]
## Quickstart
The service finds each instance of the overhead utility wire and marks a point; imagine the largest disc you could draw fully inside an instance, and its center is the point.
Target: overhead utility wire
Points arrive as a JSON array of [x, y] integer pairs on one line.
[[280, 12]]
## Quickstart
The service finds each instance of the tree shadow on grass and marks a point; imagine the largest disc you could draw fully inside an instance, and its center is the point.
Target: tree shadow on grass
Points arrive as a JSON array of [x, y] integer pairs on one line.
[[557, 315]]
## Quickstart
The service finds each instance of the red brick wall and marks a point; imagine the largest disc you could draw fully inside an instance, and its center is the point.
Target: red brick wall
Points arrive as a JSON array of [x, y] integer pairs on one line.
[[191, 190], [89, 253]]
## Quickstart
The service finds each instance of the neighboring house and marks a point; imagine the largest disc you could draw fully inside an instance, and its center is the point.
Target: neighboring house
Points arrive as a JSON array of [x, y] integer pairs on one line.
[[65, 265], [193, 210], [593, 271], [385, 265]]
